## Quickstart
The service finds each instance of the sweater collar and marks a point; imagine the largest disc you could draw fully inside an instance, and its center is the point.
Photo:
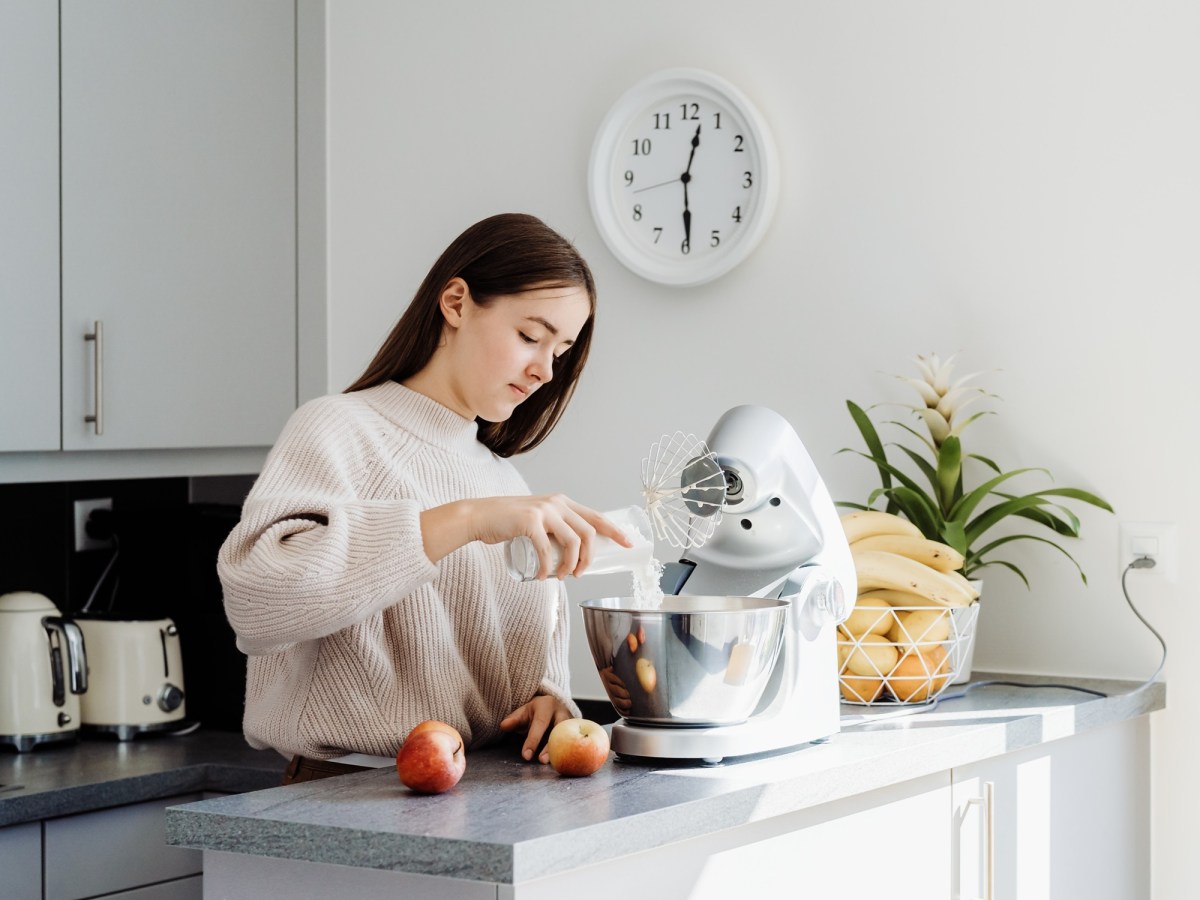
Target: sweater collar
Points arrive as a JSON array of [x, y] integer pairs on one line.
[[425, 418]]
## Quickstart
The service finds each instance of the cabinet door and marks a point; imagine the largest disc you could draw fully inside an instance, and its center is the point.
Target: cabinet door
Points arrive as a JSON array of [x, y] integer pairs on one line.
[[29, 339], [1070, 819], [114, 850], [178, 221], [21, 862]]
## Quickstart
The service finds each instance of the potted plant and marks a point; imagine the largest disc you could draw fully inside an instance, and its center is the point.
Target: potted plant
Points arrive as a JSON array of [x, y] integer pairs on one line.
[[948, 510]]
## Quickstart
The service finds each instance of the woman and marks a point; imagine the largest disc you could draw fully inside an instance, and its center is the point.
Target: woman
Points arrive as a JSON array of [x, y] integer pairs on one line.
[[366, 580]]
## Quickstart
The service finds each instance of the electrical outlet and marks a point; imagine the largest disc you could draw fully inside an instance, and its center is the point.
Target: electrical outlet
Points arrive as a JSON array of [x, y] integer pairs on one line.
[[1156, 540], [83, 509]]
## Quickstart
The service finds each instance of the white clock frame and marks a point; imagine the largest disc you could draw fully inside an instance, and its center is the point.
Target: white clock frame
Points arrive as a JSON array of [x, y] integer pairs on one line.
[[659, 90]]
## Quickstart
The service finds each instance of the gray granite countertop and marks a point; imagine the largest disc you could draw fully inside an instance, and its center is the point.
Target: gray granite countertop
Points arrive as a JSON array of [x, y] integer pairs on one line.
[[509, 821], [95, 774]]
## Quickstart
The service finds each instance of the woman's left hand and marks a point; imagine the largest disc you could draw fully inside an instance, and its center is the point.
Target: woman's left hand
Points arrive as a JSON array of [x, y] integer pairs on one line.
[[538, 717]]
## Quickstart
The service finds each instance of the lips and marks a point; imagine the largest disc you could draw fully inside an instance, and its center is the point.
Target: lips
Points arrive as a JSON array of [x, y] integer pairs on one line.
[[521, 391]]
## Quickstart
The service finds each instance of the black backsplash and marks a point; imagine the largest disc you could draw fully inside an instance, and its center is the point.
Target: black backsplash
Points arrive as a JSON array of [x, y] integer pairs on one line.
[[168, 532]]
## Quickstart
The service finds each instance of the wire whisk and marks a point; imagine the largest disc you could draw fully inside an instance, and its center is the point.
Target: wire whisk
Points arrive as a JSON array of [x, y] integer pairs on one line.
[[684, 488]]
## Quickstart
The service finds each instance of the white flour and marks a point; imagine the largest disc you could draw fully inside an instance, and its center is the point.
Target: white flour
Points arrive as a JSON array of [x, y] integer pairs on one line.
[[647, 591]]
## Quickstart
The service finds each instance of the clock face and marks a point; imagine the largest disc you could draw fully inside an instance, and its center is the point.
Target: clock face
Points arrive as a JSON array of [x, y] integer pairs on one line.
[[683, 178]]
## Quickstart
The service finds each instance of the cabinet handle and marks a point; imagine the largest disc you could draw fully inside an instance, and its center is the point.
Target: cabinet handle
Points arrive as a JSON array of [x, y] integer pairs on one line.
[[97, 335], [989, 837]]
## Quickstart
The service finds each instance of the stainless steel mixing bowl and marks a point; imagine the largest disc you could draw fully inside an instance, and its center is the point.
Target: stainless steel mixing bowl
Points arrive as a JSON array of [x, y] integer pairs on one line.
[[693, 661]]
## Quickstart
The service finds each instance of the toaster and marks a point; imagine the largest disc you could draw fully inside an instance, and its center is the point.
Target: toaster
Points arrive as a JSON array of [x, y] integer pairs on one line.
[[135, 676]]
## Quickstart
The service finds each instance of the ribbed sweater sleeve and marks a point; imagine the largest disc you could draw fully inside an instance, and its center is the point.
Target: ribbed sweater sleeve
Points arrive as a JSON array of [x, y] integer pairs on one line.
[[309, 557], [353, 635]]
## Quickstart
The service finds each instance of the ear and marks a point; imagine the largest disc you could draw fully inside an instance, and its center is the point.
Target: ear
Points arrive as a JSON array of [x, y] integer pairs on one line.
[[452, 300]]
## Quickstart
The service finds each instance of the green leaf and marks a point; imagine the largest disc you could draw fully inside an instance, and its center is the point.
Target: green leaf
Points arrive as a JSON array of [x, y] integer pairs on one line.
[[963, 509], [1077, 494], [999, 562], [955, 535], [987, 462], [920, 437], [921, 463], [949, 470], [919, 509], [899, 474], [1032, 537], [870, 437], [1000, 511], [1066, 523]]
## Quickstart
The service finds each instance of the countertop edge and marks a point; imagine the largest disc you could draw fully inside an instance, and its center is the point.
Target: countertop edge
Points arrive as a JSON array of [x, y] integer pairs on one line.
[[980, 735]]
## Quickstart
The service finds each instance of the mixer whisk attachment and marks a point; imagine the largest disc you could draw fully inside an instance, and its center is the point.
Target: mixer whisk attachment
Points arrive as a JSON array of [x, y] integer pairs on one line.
[[684, 487]]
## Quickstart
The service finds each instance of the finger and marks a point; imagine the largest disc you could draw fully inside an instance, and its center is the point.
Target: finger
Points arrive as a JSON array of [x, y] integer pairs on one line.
[[569, 532], [537, 728], [515, 719], [607, 528], [543, 547], [561, 714]]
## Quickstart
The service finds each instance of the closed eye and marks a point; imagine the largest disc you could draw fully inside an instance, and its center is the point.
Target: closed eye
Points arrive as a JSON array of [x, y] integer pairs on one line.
[[526, 338]]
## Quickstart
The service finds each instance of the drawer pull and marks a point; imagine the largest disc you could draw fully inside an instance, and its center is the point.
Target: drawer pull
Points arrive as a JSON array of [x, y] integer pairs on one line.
[[97, 335]]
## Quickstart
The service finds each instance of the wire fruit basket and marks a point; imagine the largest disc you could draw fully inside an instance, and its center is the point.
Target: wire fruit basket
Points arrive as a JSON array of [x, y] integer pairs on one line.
[[902, 654]]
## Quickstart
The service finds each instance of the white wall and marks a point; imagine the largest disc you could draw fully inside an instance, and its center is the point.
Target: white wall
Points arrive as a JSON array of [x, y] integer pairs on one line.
[[1016, 181]]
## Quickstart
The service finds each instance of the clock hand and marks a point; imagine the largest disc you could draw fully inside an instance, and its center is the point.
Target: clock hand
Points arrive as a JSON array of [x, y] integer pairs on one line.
[[687, 221], [695, 143], [685, 178], [653, 186]]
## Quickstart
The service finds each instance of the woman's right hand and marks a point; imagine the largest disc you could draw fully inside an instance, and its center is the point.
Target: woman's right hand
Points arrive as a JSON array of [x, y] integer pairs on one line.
[[543, 519]]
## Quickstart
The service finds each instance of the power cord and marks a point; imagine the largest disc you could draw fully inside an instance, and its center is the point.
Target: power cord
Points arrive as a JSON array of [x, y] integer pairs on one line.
[[1142, 562], [99, 525]]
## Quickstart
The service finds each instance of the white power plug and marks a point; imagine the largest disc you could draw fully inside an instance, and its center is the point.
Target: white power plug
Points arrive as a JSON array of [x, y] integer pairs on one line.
[[1149, 540]]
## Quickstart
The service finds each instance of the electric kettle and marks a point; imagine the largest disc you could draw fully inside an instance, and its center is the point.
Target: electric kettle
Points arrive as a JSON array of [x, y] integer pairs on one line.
[[43, 672]]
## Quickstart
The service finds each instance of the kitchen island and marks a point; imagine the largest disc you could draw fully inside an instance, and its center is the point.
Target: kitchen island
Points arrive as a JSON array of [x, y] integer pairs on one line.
[[899, 802]]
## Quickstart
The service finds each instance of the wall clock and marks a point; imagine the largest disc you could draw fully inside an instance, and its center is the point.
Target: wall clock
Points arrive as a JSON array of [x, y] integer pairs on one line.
[[683, 177]]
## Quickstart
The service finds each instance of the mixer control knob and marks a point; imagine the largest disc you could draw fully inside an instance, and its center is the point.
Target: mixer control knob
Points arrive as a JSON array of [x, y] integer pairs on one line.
[[170, 698], [64, 719]]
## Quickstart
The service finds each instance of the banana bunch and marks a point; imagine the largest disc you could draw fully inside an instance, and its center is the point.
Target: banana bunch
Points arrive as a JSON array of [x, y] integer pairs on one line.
[[896, 642]]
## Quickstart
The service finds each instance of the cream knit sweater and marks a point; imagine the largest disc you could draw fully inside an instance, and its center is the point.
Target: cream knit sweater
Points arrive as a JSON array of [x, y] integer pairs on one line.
[[353, 635]]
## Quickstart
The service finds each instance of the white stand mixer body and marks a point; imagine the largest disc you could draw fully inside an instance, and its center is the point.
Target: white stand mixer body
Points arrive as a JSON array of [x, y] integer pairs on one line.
[[780, 536]]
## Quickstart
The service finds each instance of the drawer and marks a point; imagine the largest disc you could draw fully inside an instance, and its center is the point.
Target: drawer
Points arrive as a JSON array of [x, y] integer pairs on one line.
[[183, 889], [114, 850], [21, 861]]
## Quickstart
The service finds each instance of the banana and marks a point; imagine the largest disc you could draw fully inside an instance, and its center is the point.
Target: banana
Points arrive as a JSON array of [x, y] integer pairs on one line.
[[865, 522], [932, 553], [877, 569], [896, 598], [962, 581]]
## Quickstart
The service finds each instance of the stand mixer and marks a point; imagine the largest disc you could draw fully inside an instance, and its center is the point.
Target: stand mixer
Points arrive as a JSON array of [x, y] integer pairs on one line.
[[779, 537]]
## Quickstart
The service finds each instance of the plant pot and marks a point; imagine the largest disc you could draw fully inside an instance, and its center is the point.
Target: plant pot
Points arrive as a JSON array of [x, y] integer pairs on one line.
[[967, 624]]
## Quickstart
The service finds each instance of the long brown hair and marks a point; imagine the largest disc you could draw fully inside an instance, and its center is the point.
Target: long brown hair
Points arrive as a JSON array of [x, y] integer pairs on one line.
[[501, 255]]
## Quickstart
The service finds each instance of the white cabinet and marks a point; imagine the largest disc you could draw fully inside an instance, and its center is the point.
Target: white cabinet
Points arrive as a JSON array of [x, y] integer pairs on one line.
[[1070, 819], [178, 223], [894, 842], [29, 370], [21, 861], [113, 850], [118, 853]]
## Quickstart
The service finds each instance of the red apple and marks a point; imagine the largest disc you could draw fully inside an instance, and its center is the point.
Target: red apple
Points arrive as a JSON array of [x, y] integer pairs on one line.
[[432, 761], [435, 725], [577, 747]]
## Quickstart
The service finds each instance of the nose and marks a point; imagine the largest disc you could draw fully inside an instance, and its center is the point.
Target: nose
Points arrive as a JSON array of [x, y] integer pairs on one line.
[[542, 367]]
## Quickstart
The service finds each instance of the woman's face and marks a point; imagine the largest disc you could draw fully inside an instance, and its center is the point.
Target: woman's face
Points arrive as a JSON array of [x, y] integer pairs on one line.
[[504, 351]]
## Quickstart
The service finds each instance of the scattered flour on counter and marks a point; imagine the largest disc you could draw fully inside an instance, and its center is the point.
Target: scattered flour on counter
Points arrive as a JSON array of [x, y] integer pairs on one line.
[[647, 589]]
